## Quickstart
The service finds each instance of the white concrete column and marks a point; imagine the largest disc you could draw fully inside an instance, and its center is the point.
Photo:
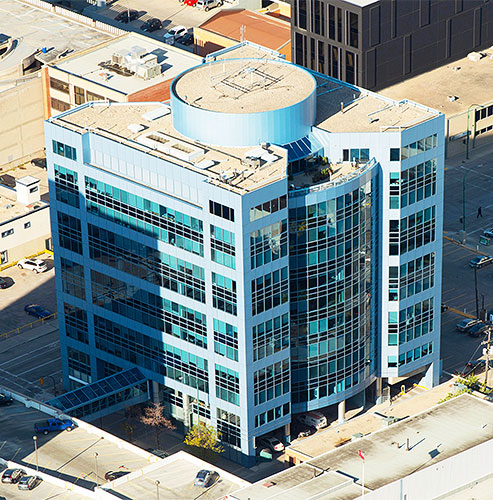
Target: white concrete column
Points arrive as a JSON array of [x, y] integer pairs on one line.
[[431, 378], [341, 411], [186, 411], [155, 392]]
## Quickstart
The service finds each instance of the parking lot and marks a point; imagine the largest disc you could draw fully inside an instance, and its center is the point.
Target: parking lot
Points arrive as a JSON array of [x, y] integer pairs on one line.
[[170, 12]]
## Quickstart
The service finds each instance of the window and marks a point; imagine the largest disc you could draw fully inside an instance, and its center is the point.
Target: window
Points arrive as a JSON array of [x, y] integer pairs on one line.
[[73, 278], [267, 208], [64, 150], [271, 382], [356, 155], [221, 211], [227, 385], [224, 294], [270, 337], [223, 247], [76, 323], [4, 257], [270, 290], [33, 189], [269, 243], [228, 424], [66, 186], [79, 365], [27, 225], [273, 414], [225, 339], [7, 233], [79, 95], [69, 233], [58, 105], [353, 29], [59, 85], [94, 97], [394, 154]]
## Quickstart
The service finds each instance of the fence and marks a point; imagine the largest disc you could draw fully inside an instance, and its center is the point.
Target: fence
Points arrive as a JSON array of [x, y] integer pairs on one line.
[[79, 18], [37, 322]]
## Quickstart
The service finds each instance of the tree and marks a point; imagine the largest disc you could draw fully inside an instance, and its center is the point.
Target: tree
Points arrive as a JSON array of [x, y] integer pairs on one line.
[[204, 440], [154, 417]]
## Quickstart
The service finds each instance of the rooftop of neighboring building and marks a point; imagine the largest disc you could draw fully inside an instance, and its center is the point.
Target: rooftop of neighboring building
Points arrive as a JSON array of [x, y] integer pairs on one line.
[[32, 29], [99, 64], [452, 88], [240, 24], [9, 206], [223, 166], [434, 435]]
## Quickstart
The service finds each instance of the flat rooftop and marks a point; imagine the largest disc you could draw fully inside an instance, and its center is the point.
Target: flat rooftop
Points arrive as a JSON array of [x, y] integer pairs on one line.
[[33, 28], [364, 111], [9, 206], [257, 28], [244, 85], [175, 474], [434, 435], [464, 79], [223, 166], [173, 61]]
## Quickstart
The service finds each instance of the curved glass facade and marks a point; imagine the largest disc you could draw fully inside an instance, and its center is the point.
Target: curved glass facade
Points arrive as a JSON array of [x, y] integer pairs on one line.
[[331, 294]]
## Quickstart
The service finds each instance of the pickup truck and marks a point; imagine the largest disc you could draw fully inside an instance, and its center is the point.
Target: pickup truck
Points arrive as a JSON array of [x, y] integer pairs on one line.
[[54, 424]]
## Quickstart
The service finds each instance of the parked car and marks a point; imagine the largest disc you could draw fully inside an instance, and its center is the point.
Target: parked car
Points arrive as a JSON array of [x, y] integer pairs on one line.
[[126, 16], [112, 475], [36, 265], [5, 400], [478, 329], [480, 261], [39, 162], [271, 442], [28, 482], [478, 365], [306, 430], [12, 476], [466, 324], [203, 478], [186, 39], [174, 33], [152, 25], [37, 311], [312, 418], [208, 4], [54, 424], [488, 233], [6, 282]]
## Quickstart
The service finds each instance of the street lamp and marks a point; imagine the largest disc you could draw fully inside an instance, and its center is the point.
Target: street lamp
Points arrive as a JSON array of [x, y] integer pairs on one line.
[[35, 439], [97, 476], [157, 489], [467, 130]]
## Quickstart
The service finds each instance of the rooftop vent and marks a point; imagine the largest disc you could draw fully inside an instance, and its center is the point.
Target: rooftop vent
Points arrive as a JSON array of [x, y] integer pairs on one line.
[[136, 128], [156, 113], [171, 146]]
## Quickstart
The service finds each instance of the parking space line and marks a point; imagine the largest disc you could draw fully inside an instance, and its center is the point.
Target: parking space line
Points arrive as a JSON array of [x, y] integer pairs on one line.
[[46, 347], [39, 366]]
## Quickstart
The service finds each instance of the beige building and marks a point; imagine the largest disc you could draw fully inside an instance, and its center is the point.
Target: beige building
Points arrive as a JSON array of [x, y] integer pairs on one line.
[[24, 214], [130, 68]]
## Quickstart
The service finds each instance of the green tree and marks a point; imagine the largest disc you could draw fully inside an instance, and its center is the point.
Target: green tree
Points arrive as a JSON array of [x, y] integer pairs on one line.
[[153, 416], [204, 440]]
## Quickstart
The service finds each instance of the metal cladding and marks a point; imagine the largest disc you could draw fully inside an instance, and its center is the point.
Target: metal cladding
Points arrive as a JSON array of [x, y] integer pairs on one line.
[[244, 103]]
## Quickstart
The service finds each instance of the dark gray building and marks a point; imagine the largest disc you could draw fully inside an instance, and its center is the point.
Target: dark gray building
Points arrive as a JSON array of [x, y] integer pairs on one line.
[[376, 43]]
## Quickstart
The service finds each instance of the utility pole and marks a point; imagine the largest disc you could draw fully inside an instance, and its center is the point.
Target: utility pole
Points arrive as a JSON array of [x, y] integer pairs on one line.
[[476, 289], [488, 346]]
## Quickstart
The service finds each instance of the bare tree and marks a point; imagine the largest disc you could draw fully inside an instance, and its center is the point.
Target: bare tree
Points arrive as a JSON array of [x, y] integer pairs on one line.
[[154, 417]]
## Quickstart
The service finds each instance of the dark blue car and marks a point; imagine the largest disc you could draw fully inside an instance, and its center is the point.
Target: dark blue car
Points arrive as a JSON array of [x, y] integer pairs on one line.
[[37, 311]]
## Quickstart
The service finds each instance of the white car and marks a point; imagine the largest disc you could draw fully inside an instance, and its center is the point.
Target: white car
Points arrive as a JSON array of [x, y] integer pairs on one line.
[[174, 33], [36, 265], [271, 442]]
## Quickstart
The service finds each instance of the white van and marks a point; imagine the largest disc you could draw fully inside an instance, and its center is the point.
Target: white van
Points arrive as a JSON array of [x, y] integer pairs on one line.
[[208, 4], [313, 419]]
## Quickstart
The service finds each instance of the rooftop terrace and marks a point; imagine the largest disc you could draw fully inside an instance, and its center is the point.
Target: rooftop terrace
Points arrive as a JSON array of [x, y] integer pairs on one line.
[[227, 167]]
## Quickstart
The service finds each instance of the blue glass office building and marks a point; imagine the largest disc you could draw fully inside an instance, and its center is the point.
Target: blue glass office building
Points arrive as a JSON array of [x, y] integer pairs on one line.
[[267, 243]]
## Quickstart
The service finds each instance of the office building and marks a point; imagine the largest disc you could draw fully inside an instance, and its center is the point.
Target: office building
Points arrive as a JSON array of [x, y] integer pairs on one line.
[[266, 244], [376, 43], [129, 68]]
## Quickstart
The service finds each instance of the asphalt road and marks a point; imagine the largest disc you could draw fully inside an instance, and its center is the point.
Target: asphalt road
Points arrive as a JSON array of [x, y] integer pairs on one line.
[[458, 290]]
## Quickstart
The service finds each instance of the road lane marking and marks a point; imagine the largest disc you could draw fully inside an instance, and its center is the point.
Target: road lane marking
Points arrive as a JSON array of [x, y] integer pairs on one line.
[[30, 352]]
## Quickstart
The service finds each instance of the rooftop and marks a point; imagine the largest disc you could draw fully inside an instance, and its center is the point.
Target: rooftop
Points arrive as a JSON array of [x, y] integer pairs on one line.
[[87, 64], [344, 108], [9, 206], [434, 435], [463, 79], [244, 85], [33, 28], [239, 24], [223, 166]]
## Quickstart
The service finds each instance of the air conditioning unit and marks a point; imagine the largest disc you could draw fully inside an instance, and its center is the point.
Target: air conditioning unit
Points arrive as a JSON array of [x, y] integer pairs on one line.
[[148, 70]]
